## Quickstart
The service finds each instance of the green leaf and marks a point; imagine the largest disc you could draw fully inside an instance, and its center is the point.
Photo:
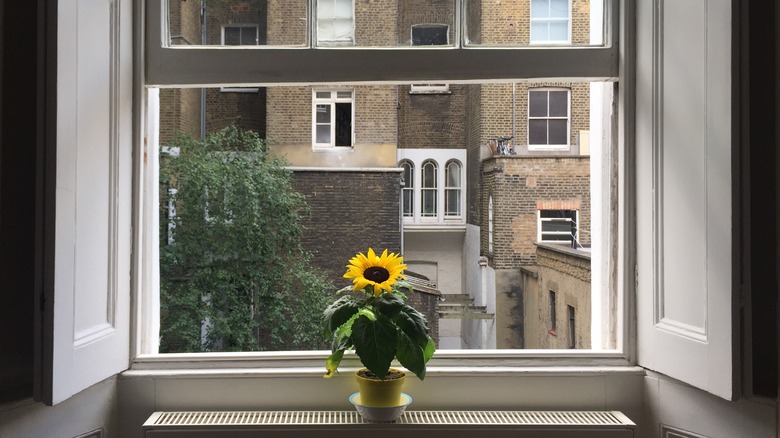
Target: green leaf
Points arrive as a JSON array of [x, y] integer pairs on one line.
[[413, 324], [389, 304], [411, 355], [375, 343], [332, 363], [338, 313], [430, 348]]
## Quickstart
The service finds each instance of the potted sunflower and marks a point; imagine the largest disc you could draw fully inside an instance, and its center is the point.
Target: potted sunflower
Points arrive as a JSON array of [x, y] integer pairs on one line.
[[373, 318]]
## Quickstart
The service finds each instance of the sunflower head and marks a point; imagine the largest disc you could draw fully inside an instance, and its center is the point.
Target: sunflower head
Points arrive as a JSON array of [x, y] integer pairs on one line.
[[381, 272]]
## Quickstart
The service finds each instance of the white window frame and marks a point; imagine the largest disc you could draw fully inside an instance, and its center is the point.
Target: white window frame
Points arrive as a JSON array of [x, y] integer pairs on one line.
[[540, 220], [408, 188], [332, 101], [547, 20], [334, 42], [544, 147], [429, 88], [440, 158], [459, 189], [264, 65]]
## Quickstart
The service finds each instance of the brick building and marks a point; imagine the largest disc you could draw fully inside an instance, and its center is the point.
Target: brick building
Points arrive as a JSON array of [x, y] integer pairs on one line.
[[415, 168]]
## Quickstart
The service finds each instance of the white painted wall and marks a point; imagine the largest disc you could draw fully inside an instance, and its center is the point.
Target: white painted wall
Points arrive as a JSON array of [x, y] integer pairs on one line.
[[442, 248], [89, 410], [672, 404], [481, 285]]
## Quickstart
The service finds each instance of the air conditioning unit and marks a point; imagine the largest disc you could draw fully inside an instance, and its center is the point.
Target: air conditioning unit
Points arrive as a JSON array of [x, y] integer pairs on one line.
[[413, 424]]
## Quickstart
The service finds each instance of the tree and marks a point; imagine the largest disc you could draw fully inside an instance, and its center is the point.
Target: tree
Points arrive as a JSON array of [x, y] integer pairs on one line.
[[234, 275]]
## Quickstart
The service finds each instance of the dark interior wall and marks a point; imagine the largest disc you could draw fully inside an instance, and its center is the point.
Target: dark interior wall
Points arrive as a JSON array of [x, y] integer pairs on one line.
[[17, 197]]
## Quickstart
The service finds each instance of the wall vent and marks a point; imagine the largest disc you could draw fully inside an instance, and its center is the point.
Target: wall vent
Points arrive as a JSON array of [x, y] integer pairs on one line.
[[488, 423]]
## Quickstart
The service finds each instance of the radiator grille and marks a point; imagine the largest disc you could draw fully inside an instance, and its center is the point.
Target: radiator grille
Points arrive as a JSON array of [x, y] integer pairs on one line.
[[248, 418]]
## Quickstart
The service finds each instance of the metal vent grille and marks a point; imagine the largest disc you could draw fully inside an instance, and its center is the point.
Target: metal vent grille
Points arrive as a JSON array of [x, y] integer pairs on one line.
[[286, 418]]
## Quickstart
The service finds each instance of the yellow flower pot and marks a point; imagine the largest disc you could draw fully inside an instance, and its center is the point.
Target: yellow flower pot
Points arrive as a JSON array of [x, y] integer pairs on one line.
[[381, 393]]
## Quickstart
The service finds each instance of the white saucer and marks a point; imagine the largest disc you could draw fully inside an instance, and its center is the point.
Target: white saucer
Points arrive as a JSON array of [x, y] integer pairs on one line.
[[380, 414]]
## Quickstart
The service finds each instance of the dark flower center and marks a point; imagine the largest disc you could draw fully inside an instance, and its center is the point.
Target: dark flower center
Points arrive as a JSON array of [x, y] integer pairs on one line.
[[376, 274]]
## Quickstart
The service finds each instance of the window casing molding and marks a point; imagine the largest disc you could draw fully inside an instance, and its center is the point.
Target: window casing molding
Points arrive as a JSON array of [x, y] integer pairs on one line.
[[160, 66], [546, 19], [334, 103], [548, 119], [433, 163]]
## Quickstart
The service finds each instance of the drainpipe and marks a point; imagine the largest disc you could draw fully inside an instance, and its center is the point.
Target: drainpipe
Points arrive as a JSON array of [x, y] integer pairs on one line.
[[203, 90], [514, 141]]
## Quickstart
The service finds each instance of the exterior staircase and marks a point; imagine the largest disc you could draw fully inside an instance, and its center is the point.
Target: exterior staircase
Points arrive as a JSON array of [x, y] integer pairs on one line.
[[461, 306]]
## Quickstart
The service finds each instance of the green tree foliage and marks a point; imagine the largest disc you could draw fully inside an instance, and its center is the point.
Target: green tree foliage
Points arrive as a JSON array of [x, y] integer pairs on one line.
[[231, 260]]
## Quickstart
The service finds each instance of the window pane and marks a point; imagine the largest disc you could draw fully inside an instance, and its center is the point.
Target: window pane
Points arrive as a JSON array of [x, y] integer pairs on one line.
[[537, 103], [272, 23], [323, 134], [453, 175], [537, 131], [559, 31], [559, 104], [540, 8], [232, 36], [359, 189], [557, 131], [326, 8], [559, 8], [323, 113], [343, 9], [505, 23], [429, 35]]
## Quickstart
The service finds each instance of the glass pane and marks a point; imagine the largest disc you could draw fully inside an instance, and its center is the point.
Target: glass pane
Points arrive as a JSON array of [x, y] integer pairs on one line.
[[559, 31], [452, 202], [326, 30], [537, 132], [326, 8], [561, 226], [522, 23], [559, 8], [540, 8], [429, 35], [282, 23], [323, 134], [428, 203], [343, 9], [408, 199], [558, 131], [453, 175], [559, 103], [220, 293], [323, 113], [429, 175], [232, 36], [537, 104]]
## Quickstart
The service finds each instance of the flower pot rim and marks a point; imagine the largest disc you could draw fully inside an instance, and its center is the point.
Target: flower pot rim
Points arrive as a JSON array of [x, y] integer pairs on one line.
[[403, 375]]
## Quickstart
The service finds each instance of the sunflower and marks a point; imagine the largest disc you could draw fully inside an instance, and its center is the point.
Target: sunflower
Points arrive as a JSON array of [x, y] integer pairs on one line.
[[381, 272]]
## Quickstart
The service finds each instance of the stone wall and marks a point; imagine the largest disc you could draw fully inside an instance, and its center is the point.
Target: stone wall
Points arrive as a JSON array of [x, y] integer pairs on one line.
[[567, 273]]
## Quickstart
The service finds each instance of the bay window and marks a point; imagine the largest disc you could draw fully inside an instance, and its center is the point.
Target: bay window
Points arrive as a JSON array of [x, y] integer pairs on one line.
[[91, 231]]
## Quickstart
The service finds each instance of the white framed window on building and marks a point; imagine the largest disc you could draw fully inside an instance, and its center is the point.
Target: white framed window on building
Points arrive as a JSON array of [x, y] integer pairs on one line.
[[407, 192], [557, 225], [437, 194], [453, 186], [550, 22], [549, 113], [335, 22], [333, 115], [429, 183], [244, 34]]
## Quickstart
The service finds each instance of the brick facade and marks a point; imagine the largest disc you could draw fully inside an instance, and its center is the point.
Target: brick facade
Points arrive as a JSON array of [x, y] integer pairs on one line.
[[350, 211], [518, 184]]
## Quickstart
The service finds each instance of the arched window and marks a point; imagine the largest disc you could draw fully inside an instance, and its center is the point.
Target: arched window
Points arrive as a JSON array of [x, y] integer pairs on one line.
[[452, 189], [407, 192], [428, 189]]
